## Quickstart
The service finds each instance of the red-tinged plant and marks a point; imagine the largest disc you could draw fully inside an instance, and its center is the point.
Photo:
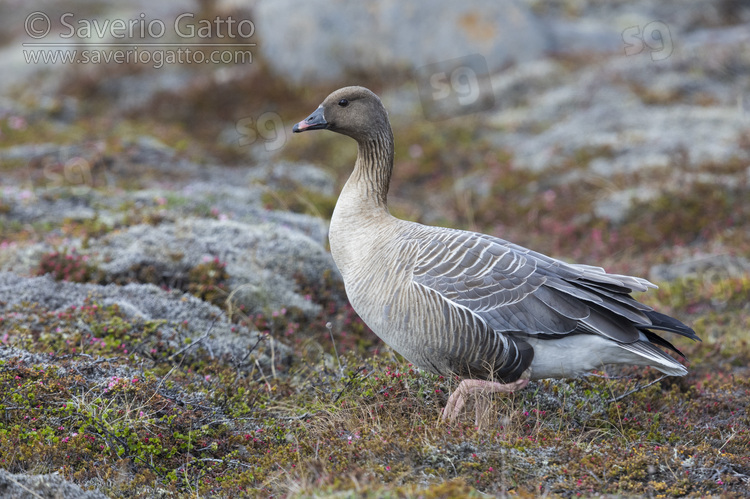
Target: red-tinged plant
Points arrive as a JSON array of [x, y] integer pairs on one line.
[[68, 266]]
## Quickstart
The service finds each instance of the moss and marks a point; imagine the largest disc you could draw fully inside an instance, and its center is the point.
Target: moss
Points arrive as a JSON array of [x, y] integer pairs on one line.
[[90, 228], [370, 425], [300, 200], [683, 217], [208, 281]]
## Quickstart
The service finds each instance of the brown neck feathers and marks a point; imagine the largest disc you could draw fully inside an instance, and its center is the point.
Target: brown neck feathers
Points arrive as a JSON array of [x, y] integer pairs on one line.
[[375, 164]]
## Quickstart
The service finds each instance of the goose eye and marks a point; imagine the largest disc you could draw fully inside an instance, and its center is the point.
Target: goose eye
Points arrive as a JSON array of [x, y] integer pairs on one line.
[[343, 103]]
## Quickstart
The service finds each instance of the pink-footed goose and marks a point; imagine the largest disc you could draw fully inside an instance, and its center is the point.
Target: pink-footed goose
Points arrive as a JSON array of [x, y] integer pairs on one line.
[[461, 303]]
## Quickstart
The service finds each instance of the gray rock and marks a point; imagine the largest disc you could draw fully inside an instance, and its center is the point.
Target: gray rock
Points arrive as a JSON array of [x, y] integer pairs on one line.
[[263, 260], [186, 317], [514, 86], [226, 193], [639, 115], [27, 206], [681, 16], [595, 112], [52, 486], [707, 267], [582, 36], [326, 42], [614, 206], [237, 195], [27, 152], [282, 175], [132, 92], [630, 161]]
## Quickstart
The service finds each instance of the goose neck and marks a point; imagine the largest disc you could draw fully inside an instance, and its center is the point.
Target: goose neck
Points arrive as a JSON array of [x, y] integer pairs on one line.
[[372, 171]]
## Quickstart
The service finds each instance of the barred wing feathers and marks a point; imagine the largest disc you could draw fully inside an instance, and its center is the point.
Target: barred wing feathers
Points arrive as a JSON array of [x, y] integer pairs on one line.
[[520, 294]]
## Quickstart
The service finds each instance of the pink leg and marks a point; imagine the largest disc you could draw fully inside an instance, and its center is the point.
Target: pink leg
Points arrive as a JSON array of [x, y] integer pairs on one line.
[[471, 386]]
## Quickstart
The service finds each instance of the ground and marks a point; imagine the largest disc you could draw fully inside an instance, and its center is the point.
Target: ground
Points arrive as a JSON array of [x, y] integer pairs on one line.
[[313, 404]]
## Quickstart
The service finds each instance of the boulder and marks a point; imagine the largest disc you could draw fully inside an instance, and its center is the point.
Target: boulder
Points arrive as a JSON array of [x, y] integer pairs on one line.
[[264, 260], [712, 267], [193, 317], [51, 486], [309, 42]]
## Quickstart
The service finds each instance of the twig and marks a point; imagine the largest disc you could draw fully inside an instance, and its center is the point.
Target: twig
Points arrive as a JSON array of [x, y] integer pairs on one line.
[[329, 326], [273, 358], [234, 462], [636, 389], [595, 477], [99, 425], [301, 417], [194, 342], [161, 381], [240, 463], [260, 338], [725, 443], [349, 383], [99, 361], [607, 376], [263, 376]]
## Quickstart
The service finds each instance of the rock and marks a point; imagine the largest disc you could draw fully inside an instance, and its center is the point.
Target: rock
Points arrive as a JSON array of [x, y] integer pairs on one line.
[[27, 152], [659, 122], [283, 175], [227, 193], [240, 199], [52, 486], [40, 206], [582, 36], [193, 317], [325, 43], [263, 260], [688, 106], [631, 161], [614, 206], [706, 267], [636, 137], [513, 86], [133, 92]]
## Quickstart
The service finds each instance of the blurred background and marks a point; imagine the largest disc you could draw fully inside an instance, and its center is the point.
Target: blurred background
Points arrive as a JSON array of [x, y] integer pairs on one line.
[[149, 143], [589, 130]]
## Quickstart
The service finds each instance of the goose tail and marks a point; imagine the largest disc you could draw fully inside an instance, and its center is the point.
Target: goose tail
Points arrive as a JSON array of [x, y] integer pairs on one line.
[[653, 356]]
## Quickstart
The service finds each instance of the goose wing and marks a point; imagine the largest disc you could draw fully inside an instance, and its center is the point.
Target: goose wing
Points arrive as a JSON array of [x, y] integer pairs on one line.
[[519, 292]]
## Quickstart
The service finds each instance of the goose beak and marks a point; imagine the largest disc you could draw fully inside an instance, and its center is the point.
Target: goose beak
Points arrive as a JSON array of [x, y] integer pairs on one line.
[[316, 121]]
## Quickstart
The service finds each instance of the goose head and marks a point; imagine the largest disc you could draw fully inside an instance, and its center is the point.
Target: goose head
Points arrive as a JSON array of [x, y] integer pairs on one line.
[[353, 111]]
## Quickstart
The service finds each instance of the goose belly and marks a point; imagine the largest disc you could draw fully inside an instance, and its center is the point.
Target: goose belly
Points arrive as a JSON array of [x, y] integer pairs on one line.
[[577, 354]]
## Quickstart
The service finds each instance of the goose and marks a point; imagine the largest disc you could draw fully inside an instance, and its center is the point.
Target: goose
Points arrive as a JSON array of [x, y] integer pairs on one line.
[[471, 305]]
